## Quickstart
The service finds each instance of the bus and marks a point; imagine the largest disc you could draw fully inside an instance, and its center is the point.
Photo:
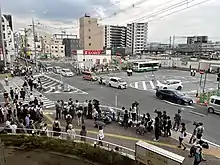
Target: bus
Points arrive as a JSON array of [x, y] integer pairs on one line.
[[145, 66]]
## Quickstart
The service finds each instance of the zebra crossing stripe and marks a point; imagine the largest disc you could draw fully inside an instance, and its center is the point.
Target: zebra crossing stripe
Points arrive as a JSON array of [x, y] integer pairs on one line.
[[152, 84], [144, 85], [136, 85]]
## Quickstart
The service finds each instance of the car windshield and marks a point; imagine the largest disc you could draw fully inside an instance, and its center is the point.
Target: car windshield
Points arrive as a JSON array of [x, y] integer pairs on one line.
[[178, 93], [121, 80], [67, 70]]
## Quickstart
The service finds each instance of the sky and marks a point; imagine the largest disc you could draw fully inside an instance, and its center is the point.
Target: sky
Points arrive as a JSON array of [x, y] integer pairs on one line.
[[166, 17]]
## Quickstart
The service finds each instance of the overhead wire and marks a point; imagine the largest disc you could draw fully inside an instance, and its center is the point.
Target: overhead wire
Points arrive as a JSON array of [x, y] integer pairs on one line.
[[101, 19]]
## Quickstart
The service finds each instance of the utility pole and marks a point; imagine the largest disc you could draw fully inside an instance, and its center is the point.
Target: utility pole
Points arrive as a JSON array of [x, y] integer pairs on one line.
[[35, 46]]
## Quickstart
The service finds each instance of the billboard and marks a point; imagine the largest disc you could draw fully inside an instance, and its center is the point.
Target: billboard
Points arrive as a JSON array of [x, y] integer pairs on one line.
[[93, 52]]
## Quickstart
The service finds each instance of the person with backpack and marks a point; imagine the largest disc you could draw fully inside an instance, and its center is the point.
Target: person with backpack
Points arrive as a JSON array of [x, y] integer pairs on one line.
[[177, 120], [199, 131]]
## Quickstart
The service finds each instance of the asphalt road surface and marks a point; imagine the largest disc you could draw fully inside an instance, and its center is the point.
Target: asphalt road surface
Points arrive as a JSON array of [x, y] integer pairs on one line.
[[148, 101]]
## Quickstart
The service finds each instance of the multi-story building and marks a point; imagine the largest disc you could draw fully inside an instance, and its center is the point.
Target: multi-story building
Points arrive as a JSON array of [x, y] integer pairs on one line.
[[91, 34], [197, 39], [71, 46], [115, 37], [136, 37], [8, 44]]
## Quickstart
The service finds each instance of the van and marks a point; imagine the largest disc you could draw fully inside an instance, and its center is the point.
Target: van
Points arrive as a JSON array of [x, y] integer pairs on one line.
[[57, 69], [214, 104], [89, 76]]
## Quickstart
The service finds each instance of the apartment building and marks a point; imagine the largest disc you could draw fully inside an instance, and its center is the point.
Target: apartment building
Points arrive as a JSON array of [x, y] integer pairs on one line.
[[136, 37], [115, 36], [91, 34], [7, 43]]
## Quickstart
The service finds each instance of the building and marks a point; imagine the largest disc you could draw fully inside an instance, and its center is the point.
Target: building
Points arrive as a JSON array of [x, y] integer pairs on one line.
[[136, 37], [91, 34], [8, 44], [115, 37], [197, 39], [71, 46]]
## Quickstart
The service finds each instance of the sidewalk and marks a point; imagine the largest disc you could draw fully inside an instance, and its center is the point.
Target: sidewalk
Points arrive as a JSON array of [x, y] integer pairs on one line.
[[127, 138]]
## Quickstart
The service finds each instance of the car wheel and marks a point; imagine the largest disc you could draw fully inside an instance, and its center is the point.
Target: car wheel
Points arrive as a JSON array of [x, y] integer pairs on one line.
[[103, 83], [109, 84], [211, 110], [179, 88], [160, 97], [179, 102], [119, 87], [165, 88]]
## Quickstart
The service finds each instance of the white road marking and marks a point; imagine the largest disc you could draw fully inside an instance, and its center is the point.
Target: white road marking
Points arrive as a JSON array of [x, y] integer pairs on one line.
[[152, 84], [197, 113], [136, 85], [144, 85], [186, 106]]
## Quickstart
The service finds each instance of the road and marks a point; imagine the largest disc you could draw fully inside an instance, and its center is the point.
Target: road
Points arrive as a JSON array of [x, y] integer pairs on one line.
[[85, 90], [146, 98]]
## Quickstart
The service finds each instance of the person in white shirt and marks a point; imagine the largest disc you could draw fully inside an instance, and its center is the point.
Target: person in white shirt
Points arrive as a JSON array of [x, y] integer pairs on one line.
[[182, 136], [31, 98], [71, 133], [13, 127], [100, 136]]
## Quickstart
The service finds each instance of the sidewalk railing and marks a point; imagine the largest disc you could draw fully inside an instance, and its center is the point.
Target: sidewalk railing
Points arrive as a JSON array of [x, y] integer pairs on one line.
[[79, 139]]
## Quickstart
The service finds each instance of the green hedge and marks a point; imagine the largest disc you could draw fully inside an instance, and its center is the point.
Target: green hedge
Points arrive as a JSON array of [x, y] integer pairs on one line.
[[82, 150]]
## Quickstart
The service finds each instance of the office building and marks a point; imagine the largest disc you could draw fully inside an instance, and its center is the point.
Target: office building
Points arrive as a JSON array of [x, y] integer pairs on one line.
[[7, 43], [115, 36], [71, 46], [91, 34], [136, 37], [197, 39]]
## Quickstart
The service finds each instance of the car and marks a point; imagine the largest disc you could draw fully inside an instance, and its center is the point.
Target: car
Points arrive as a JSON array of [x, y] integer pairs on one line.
[[174, 96], [117, 83], [170, 84], [214, 104], [91, 76], [57, 69], [67, 73]]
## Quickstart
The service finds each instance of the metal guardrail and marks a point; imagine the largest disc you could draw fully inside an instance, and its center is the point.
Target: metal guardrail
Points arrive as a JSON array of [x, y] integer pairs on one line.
[[78, 138]]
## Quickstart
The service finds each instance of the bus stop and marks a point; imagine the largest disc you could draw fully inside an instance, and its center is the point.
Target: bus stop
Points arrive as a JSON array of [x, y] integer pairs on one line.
[[148, 154]]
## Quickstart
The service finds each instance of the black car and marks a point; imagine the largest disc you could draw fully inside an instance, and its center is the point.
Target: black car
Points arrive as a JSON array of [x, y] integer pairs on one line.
[[174, 96]]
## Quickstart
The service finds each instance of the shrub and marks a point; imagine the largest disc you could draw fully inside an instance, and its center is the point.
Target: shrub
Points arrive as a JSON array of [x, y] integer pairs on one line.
[[82, 150]]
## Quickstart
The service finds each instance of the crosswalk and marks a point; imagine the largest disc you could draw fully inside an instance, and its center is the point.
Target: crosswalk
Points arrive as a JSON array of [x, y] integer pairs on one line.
[[150, 86], [17, 82], [52, 85]]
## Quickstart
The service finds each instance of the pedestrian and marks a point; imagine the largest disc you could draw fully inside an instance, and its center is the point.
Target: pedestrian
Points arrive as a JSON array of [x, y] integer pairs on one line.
[[16, 92], [90, 109], [133, 112], [71, 133], [193, 136], [85, 108], [182, 136], [169, 126], [11, 93], [58, 109], [126, 118], [198, 158], [2, 118], [199, 131], [100, 136], [79, 117], [22, 94], [157, 130], [83, 133], [6, 96], [177, 120]]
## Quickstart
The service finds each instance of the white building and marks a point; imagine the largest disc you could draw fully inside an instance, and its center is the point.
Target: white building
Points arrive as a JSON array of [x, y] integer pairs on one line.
[[89, 58], [8, 38], [136, 37], [115, 36]]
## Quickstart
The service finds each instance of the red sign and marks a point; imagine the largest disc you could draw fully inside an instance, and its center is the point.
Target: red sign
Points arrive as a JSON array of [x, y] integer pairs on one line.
[[74, 52], [93, 52]]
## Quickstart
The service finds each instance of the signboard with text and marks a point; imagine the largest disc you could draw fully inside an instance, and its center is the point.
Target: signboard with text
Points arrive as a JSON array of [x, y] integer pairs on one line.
[[93, 52], [149, 154]]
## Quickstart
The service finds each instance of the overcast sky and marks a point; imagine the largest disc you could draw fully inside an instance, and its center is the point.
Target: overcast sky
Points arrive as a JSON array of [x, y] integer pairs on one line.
[[199, 20]]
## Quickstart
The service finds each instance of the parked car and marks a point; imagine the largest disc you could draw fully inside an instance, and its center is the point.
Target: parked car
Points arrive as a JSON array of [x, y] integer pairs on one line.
[[174, 96], [170, 84], [117, 83], [214, 104], [57, 69], [67, 73]]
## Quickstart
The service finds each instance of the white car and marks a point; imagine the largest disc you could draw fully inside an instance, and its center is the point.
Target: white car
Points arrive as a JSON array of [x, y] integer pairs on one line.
[[170, 84], [117, 83], [67, 73]]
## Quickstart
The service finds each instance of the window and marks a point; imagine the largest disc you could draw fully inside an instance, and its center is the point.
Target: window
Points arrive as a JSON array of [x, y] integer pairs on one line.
[[55, 47], [61, 47], [38, 46], [90, 44], [61, 51], [89, 37], [52, 47], [56, 51], [212, 100], [89, 30], [217, 102]]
